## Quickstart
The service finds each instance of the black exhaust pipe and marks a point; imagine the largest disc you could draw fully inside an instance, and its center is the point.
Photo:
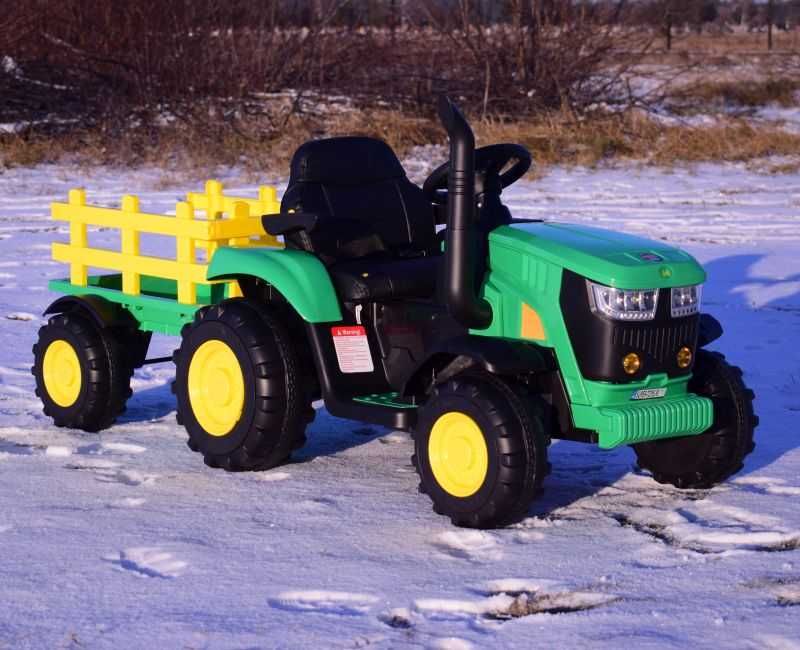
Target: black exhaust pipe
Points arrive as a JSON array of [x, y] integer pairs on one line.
[[460, 280]]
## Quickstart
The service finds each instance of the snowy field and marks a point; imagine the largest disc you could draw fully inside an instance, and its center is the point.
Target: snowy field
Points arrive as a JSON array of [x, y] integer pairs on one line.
[[126, 540]]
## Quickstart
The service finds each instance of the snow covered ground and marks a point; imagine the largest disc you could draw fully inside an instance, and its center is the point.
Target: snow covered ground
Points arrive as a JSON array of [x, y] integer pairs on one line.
[[126, 539]]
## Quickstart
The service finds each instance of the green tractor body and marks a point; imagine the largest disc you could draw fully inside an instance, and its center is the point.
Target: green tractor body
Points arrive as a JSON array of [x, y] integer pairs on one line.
[[486, 341], [528, 266], [527, 262]]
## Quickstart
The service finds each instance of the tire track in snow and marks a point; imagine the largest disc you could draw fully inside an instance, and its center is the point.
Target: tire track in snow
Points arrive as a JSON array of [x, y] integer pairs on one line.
[[148, 562]]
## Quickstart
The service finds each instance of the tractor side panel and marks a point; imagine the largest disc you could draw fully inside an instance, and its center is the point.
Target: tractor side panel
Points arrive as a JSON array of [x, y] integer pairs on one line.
[[523, 292]]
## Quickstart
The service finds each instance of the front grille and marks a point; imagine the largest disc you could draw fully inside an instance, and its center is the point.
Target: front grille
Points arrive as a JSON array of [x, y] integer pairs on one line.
[[600, 343], [660, 342]]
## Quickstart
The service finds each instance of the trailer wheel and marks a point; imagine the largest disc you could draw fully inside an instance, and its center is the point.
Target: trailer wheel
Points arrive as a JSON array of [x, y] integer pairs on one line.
[[238, 387], [703, 460], [481, 450], [82, 372]]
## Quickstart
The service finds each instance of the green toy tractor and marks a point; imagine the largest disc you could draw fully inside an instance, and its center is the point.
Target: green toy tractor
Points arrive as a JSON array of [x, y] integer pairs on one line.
[[486, 338]]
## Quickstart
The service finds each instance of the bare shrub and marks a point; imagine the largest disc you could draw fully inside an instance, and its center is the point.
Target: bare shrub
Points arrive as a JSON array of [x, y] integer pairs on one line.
[[223, 60]]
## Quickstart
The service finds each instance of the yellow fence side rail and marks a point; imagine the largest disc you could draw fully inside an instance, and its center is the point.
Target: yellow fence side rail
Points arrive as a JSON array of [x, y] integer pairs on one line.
[[215, 203], [242, 227]]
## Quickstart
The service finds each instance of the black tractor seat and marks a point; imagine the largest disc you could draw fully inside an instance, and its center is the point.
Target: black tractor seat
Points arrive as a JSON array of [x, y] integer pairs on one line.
[[375, 278], [350, 203]]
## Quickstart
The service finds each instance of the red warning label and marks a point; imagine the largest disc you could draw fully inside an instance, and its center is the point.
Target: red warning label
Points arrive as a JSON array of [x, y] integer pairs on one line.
[[352, 349]]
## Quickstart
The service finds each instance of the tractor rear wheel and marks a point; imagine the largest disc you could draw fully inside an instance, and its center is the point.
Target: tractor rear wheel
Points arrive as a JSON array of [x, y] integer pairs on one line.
[[703, 460], [83, 373], [481, 450], [239, 387]]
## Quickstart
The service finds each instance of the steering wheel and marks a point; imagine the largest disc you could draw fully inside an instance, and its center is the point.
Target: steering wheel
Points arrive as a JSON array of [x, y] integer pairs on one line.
[[489, 163]]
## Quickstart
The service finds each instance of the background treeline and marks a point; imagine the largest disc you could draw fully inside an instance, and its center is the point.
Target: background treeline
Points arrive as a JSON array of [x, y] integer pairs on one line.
[[139, 76], [87, 60]]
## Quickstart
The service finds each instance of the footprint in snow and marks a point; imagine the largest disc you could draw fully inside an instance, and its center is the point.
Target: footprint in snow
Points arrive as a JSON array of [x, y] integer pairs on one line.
[[149, 562], [129, 502], [691, 522], [111, 448], [785, 589], [398, 618], [272, 476], [452, 643], [58, 451], [707, 527], [475, 545], [511, 598], [126, 477], [21, 315], [107, 471], [9, 448], [317, 505], [342, 603], [767, 485]]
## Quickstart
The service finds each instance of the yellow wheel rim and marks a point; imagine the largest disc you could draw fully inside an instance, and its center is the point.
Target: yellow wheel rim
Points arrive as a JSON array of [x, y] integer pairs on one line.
[[61, 372], [216, 387], [457, 454]]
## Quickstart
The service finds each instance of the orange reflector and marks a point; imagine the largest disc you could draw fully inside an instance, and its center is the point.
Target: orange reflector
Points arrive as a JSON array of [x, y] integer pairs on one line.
[[531, 324], [631, 363], [684, 358]]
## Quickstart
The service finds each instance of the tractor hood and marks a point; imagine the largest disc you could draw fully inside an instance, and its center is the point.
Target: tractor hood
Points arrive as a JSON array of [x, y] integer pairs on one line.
[[607, 257]]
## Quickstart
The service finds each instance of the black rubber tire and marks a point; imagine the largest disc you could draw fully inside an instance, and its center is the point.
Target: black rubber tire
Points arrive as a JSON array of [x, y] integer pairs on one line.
[[277, 406], [702, 461], [105, 372], [512, 423]]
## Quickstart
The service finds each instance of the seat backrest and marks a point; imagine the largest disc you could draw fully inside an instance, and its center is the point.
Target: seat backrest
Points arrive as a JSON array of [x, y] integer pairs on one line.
[[364, 201]]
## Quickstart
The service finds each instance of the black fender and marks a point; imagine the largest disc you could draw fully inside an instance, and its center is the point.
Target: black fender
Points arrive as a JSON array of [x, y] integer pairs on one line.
[[108, 315], [709, 329], [103, 312], [497, 356]]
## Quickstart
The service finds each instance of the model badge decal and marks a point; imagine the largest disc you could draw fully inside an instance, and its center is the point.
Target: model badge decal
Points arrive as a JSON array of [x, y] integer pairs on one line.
[[649, 393]]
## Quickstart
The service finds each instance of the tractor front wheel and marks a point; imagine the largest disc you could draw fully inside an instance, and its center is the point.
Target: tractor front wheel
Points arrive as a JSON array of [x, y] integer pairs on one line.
[[239, 387], [703, 460], [481, 450]]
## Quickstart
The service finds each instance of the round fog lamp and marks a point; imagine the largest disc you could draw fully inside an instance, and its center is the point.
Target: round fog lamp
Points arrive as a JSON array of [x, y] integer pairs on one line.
[[684, 357], [631, 363]]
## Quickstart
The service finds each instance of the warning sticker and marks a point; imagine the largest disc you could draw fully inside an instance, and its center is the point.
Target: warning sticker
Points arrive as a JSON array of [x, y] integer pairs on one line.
[[352, 349]]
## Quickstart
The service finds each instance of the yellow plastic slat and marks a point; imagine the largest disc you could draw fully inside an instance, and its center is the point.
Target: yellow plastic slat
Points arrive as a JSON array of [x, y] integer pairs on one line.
[[243, 228], [154, 224], [78, 237], [131, 280], [186, 255], [214, 201], [143, 264]]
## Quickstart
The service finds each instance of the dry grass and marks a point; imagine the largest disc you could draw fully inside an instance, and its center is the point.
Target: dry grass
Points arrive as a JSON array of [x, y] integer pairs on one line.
[[737, 42], [748, 93], [633, 136], [205, 145], [554, 139]]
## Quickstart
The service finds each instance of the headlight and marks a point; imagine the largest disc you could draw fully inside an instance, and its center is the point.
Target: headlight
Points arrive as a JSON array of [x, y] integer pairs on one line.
[[685, 301], [623, 304]]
